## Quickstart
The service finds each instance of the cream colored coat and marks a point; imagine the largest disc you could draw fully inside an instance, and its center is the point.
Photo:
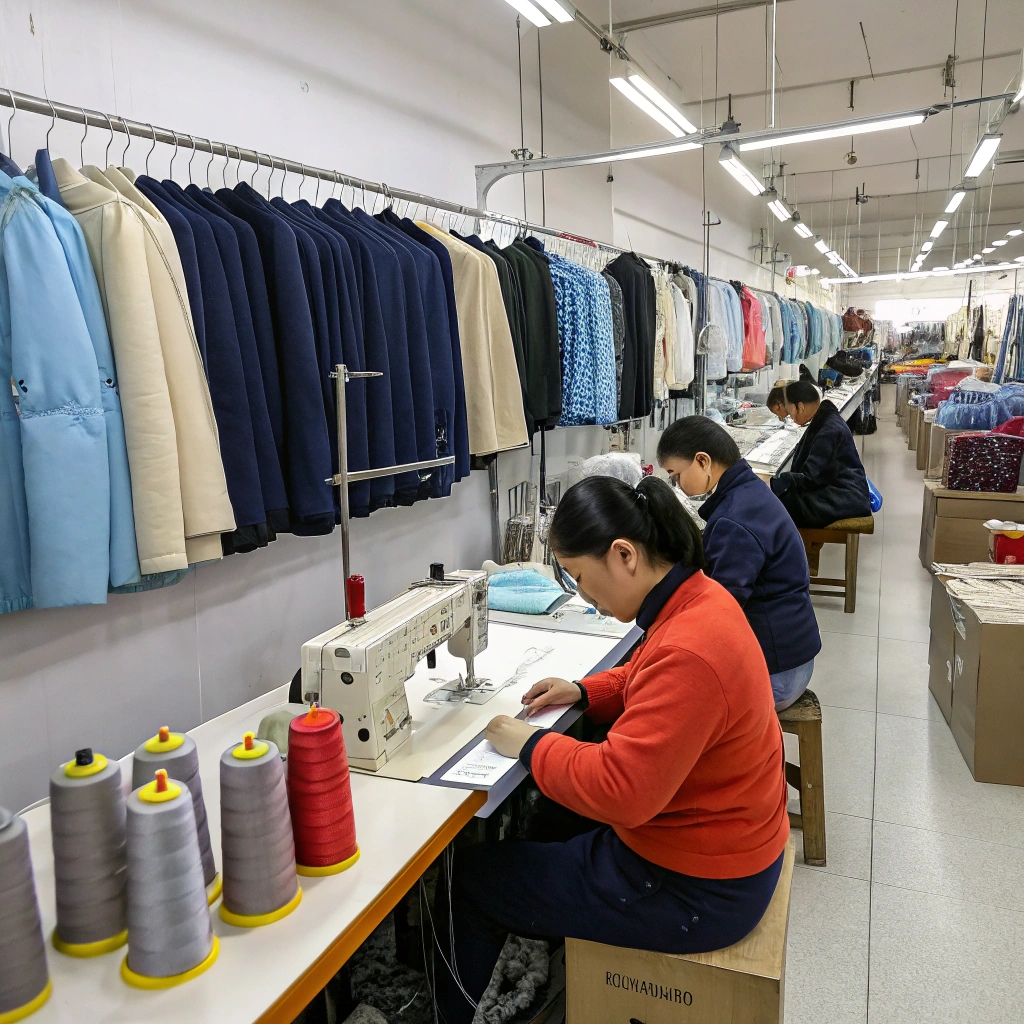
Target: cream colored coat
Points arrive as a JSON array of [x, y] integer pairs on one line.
[[176, 480], [494, 399]]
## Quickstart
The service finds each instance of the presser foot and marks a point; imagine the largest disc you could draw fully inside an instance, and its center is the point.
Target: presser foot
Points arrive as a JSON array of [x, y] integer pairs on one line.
[[459, 691]]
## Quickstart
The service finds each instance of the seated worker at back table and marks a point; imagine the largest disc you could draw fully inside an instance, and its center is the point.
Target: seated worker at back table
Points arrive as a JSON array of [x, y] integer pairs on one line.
[[826, 481], [686, 795], [751, 547], [777, 402]]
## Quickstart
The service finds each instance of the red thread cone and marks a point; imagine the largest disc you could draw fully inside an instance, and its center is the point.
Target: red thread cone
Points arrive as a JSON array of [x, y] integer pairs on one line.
[[320, 793]]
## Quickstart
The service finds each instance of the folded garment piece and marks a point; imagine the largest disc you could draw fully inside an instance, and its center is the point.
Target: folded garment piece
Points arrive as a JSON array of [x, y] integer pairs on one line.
[[522, 590]]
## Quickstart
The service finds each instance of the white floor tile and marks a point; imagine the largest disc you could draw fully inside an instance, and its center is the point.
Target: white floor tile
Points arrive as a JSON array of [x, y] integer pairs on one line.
[[845, 671], [935, 959], [947, 865], [903, 680], [847, 846], [848, 747], [827, 951]]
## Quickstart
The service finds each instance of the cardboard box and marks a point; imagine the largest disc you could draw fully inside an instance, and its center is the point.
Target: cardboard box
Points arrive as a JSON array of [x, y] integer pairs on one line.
[[940, 647], [743, 984], [915, 426], [924, 434], [988, 696], [936, 450], [952, 522]]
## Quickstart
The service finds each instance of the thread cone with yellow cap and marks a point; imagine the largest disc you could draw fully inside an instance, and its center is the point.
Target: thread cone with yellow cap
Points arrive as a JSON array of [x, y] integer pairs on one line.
[[176, 752], [170, 937], [257, 849]]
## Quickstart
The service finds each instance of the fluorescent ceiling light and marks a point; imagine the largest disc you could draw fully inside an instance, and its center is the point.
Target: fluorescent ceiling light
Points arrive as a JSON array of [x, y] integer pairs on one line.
[[839, 131], [954, 203], [939, 270], [940, 226], [778, 207], [1014, 232], [821, 246], [739, 170], [833, 258], [815, 270], [803, 230], [662, 102], [560, 10], [1020, 93], [988, 249], [976, 256], [528, 11], [1018, 259], [983, 154], [901, 275], [926, 246], [999, 241], [647, 106]]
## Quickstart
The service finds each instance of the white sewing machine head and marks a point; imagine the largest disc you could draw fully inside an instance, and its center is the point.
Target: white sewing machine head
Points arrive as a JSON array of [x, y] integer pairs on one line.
[[359, 667]]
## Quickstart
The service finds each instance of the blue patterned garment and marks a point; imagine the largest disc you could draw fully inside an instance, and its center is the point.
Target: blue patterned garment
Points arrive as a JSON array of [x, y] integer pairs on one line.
[[584, 307]]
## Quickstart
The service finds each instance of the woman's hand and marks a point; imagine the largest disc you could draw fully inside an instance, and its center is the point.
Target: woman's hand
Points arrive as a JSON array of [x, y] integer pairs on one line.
[[550, 691], [507, 735]]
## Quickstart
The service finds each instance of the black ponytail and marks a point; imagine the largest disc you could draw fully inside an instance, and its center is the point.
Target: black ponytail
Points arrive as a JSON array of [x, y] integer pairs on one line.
[[692, 434], [601, 509]]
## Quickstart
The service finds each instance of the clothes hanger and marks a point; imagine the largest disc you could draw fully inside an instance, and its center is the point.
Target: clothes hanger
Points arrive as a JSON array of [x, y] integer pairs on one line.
[[81, 144], [14, 110], [284, 174], [151, 148], [302, 178], [191, 158], [170, 166], [209, 163], [316, 198], [128, 142], [53, 121], [270, 177], [110, 141]]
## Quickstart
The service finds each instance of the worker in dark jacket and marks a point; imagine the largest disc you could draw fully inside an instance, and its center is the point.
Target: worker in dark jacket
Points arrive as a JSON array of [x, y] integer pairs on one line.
[[827, 480], [751, 547]]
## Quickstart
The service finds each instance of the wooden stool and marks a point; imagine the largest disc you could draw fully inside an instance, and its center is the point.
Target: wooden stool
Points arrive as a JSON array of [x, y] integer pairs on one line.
[[803, 719], [842, 531], [742, 984]]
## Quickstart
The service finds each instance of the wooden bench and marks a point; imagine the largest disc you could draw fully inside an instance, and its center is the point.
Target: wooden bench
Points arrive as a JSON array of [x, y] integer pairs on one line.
[[846, 532], [803, 719], [742, 984]]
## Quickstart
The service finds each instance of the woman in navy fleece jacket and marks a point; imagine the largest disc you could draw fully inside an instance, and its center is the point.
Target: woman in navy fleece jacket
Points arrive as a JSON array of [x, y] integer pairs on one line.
[[751, 547]]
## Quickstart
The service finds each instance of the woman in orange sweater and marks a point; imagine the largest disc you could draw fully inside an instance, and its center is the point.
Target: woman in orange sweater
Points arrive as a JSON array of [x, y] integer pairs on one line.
[[687, 792]]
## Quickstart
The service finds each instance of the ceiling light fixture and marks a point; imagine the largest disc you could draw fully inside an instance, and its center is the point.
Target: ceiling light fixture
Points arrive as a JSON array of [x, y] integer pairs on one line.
[[940, 226], [821, 246], [1018, 259], [902, 275], [1014, 232], [815, 270], [954, 203], [988, 249], [999, 241], [1020, 93], [926, 246], [741, 172], [778, 207], [983, 154], [803, 230], [561, 10], [662, 102], [528, 11], [634, 96], [877, 124]]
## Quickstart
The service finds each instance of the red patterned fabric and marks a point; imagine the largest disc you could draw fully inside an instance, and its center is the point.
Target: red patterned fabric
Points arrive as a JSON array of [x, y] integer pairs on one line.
[[982, 462]]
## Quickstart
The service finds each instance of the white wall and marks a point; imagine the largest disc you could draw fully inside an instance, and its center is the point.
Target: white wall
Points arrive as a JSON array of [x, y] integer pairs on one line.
[[411, 92]]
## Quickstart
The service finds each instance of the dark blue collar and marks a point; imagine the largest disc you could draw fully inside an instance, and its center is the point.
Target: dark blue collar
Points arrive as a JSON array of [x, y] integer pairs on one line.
[[737, 473], [661, 593]]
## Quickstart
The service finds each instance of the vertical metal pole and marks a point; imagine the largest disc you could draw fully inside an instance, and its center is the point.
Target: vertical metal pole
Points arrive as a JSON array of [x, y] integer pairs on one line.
[[340, 380]]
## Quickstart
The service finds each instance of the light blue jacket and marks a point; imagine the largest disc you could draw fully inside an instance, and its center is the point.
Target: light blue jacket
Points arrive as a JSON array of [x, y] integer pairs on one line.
[[54, 470]]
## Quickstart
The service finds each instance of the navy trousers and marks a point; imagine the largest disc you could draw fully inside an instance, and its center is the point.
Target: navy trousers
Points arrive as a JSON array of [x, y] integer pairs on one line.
[[591, 887]]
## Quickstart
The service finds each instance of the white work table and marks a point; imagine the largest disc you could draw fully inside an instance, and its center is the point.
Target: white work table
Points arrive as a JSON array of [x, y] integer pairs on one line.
[[269, 974]]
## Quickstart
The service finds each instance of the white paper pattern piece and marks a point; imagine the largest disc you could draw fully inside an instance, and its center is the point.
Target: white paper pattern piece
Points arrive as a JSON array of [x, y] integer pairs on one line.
[[483, 765]]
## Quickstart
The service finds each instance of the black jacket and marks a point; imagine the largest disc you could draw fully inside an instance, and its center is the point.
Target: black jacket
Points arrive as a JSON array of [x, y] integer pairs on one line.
[[753, 549], [827, 481], [636, 398]]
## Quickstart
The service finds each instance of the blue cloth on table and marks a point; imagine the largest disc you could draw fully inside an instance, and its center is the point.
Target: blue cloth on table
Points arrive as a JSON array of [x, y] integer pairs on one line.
[[522, 590]]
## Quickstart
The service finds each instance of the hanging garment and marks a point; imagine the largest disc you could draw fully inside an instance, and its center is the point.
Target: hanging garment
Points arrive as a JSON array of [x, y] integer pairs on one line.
[[494, 405], [639, 307], [585, 332], [55, 498], [223, 372], [665, 332], [680, 370], [124, 556], [117, 239], [541, 349], [778, 328], [307, 463], [754, 357], [734, 319], [42, 174], [618, 330]]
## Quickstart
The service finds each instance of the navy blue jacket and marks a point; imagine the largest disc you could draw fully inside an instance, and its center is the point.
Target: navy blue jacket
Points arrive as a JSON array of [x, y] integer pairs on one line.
[[753, 549], [439, 340], [307, 465], [223, 370], [45, 178], [827, 480]]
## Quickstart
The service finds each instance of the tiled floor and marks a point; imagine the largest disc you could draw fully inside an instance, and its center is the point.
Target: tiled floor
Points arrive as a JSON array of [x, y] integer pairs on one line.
[[919, 915]]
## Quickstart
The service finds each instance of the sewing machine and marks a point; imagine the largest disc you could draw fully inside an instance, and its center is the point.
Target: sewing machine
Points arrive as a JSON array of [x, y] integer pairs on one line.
[[360, 667]]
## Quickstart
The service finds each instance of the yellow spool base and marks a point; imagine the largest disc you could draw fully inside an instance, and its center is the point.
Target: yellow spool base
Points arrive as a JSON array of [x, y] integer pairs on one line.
[[23, 1011], [143, 981], [256, 920], [215, 888], [331, 869], [87, 949]]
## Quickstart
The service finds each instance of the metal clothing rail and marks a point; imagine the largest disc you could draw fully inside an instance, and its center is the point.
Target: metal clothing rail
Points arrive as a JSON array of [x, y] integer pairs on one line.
[[20, 101]]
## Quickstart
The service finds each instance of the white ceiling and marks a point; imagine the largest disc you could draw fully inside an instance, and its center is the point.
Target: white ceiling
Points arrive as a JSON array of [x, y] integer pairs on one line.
[[906, 172]]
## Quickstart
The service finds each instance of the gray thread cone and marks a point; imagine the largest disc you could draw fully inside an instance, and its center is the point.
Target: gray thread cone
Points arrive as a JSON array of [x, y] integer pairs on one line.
[[87, 824], [181, 764], [23, 971], [169, 930], [257, 848]]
